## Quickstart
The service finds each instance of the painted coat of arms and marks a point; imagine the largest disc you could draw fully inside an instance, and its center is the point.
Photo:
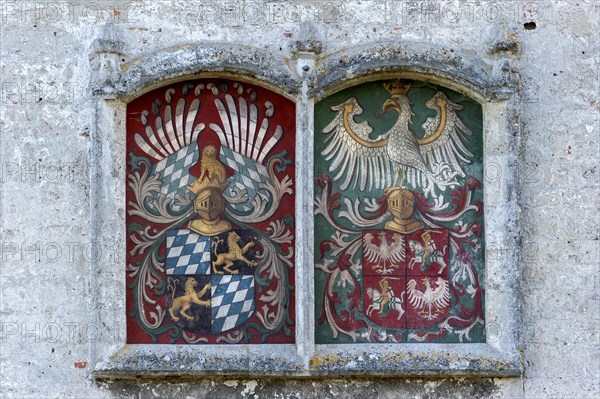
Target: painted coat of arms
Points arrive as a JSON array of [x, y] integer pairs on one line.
[[398, 215], [210, 206]]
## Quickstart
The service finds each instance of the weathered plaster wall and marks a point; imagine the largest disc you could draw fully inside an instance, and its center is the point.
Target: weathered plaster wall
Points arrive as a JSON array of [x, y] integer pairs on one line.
[[46, 190]]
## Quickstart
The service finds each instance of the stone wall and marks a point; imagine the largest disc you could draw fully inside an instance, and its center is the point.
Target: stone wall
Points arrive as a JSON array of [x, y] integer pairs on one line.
[[52, 74]]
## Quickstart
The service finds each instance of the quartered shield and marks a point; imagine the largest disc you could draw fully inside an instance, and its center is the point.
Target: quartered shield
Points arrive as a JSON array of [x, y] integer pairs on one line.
[[211, 284], [405, 277]]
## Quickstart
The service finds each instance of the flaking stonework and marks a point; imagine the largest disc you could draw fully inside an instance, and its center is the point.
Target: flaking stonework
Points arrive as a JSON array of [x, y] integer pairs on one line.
[[69, 72]]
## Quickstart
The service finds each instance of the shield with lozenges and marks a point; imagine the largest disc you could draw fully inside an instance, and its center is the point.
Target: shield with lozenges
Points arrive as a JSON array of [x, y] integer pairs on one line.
[[211, 284]]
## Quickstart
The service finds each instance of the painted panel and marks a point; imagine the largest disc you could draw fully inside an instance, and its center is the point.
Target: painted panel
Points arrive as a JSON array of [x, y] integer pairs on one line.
[[399, 244], [210, 207]]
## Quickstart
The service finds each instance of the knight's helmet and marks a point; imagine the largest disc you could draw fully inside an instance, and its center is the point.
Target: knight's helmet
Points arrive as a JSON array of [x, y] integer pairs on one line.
[[209, 203], [401, 203]]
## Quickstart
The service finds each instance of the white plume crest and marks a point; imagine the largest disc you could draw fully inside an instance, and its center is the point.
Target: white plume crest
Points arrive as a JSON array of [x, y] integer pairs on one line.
[[175, 126], [171, 130], [240, 130]]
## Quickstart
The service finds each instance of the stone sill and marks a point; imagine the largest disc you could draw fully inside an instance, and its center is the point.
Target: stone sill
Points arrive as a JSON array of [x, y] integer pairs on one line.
[[401, 360], [414, 359]]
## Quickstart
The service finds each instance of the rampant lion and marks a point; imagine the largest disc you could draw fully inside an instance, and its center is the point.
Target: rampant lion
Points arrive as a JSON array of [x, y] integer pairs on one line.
[[235, 253], [182, 303]]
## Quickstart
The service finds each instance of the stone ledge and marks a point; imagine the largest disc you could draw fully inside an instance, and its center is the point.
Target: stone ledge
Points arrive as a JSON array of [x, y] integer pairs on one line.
[[402, 360], [138, 361], [415, 359]]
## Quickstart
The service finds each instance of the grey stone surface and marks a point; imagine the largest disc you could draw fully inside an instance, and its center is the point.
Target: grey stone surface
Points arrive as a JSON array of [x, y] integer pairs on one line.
[[62, 283]]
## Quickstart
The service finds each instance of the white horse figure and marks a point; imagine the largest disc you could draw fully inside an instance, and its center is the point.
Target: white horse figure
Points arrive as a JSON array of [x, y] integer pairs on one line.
[[435, 255], [377, 298]]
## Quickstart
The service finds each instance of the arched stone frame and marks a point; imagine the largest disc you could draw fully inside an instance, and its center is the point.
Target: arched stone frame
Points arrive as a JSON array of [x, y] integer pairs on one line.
[[488, 81], [114, 85], [112, 357]]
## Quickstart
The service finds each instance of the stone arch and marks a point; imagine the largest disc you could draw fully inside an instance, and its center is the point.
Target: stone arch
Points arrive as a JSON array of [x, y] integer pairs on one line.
[[170, 65], [483, 79]]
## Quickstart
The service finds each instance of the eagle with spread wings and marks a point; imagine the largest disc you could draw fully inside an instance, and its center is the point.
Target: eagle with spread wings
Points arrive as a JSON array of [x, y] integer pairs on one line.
[[434, 299], [384, 254], [430, 161]]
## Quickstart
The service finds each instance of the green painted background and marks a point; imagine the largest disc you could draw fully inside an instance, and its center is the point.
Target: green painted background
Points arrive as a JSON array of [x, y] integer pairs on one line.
[[371, 97]]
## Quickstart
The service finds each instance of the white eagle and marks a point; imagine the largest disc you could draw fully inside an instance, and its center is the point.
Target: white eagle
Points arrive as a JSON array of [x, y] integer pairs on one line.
[[430, 161], [384, 253], [435, 300]]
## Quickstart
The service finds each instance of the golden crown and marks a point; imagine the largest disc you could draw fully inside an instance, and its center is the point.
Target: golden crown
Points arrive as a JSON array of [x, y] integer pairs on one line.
[[397, 87], [207, 183]]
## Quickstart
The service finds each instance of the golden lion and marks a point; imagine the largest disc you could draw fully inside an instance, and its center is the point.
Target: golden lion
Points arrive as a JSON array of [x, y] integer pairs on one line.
[[182, 303], [235, 253]]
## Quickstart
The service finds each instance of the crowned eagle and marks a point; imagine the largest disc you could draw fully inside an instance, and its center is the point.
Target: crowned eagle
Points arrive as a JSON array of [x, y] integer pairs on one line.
[[430, 161]]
